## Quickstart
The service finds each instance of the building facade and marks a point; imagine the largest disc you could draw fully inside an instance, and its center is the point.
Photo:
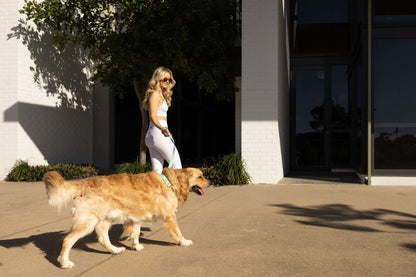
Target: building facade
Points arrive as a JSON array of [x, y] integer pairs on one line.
[[325, 86], [346, 104]]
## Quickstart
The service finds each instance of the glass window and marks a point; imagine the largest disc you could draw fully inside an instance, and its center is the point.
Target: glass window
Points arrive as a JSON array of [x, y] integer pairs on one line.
[[321, 26], [394, 104], [358, 88], [395, 11], [340, 114], [340, 97], [322, 11], [310, 136]]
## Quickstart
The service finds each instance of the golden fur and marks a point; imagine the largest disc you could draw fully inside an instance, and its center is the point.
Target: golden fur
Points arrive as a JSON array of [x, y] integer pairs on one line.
[[123, 198]]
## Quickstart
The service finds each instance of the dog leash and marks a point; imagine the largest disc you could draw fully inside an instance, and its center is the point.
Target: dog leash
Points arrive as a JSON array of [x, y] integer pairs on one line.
[[174, 148], [165, 179], [173, 152]]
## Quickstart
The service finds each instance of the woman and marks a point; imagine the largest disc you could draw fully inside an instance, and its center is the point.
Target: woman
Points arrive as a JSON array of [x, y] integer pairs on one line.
[[157, 101]]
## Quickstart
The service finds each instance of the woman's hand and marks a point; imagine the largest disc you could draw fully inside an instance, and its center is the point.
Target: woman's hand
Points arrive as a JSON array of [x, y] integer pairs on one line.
[[165, 132]]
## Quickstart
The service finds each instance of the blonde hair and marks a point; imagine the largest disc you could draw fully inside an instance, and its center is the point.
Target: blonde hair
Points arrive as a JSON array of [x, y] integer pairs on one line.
[[154, 85]]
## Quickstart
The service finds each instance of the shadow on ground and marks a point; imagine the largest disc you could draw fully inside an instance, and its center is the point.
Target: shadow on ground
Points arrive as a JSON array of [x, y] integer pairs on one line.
[[50, 243], [345, 217]]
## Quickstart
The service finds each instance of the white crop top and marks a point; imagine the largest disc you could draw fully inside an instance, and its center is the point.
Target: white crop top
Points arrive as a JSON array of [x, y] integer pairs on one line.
[[163, 109]]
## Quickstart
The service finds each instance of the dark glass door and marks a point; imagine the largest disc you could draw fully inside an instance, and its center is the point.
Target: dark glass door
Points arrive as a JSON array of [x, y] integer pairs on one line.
[[311, 112], [321, 133], [340, 125]]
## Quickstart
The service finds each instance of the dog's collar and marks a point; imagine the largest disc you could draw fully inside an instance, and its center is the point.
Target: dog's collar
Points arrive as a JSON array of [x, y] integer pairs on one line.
[[167, 182]]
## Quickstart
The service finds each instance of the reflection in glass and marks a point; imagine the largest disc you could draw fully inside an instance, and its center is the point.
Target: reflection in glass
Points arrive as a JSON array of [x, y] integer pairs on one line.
[[321, 26], [340, 114], [341, 145], [396, 148], [322, 11], [394, 102], [310, 93], [358, 120], [387, 11]]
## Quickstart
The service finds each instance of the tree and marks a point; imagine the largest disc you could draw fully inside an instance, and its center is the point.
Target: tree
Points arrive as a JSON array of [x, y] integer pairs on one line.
[[128, 39]]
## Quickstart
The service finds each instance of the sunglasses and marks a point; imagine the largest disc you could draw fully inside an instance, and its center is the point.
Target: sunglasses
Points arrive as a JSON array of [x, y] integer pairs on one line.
[[165, 80]]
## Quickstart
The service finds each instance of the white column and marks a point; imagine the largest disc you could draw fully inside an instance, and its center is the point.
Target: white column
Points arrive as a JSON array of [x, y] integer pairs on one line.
[[264, 84]]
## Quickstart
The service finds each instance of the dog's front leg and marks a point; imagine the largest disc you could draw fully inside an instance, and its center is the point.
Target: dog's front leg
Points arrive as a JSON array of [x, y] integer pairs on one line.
[[132, 230], [135, 237], [170, 223]]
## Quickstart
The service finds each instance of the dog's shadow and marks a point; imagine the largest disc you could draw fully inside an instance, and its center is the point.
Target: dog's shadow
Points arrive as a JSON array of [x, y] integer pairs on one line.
[[50, 243]]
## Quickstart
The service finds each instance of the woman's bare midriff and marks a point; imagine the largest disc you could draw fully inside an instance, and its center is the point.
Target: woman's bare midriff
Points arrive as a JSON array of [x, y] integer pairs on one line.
[[161, 118]]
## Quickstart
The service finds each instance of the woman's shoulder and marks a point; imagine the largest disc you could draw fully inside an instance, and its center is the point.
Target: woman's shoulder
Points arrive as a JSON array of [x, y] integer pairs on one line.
[[155, 94], [152, 92]]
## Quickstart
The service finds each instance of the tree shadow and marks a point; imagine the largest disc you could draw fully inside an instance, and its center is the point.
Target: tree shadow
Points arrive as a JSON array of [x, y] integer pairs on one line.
[[409, 246], [345, 217], [64, 77], [331, 216], [64, 74], [50, 243], [337, 216]]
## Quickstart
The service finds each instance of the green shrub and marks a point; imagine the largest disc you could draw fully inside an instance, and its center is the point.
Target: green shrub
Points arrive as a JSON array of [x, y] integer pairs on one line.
[[227, 170], [19, 171], [22, 171], [134, 167]]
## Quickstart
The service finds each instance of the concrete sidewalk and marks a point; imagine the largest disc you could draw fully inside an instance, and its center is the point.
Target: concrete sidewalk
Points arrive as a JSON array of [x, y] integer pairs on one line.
[[253, 230]]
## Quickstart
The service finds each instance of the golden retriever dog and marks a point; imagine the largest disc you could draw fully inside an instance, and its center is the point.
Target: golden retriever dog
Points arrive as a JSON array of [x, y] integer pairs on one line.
[[126, 199]]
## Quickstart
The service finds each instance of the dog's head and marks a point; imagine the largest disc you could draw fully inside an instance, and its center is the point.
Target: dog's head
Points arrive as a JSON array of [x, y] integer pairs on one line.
[[186, 180]]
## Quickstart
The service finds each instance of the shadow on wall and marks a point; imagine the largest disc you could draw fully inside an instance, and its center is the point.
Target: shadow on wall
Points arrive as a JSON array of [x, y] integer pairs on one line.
[[62, 133], [61, 74]]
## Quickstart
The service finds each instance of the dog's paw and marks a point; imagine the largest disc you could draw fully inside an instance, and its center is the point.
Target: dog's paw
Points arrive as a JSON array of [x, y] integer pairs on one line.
[[118, 250], [65, 264], [138, 247], [186, 242]]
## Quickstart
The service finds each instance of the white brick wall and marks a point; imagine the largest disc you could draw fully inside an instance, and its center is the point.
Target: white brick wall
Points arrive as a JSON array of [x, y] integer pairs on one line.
[[8, 86], [45, 98], [264, 128]]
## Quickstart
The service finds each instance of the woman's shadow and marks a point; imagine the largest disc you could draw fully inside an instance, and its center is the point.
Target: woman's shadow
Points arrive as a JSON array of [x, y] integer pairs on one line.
[[51, 243]]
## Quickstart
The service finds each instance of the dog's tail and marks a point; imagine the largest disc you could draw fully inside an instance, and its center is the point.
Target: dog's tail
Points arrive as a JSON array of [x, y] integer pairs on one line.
[[59, 192]]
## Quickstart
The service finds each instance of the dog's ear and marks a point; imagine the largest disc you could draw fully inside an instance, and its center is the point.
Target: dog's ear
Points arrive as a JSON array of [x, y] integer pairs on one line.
[[179, 180]]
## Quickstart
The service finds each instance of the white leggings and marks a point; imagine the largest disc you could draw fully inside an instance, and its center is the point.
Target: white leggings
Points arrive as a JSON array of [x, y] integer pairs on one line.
[[161, 148]]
